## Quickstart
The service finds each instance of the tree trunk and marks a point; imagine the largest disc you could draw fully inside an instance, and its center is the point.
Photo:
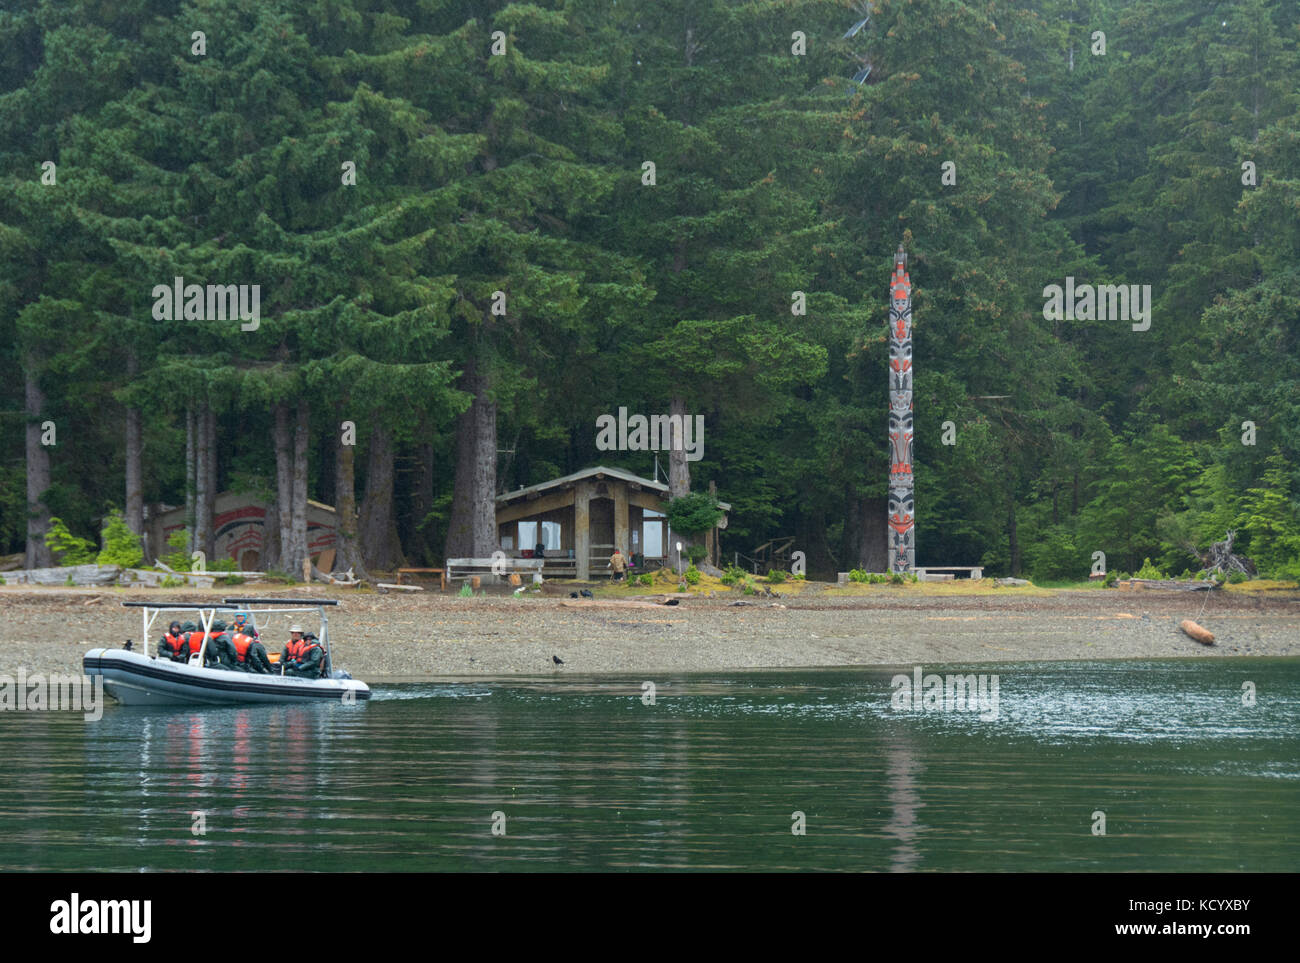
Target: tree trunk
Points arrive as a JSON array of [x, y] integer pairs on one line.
[[348, 555], [380, 546], [134, 460], [38, 554], [299, 550], [1014, 537], [190, 464], [284, 489], [202, 484], [214, 481], [425, 531], [866, 534], [472, 529], [679, 478]]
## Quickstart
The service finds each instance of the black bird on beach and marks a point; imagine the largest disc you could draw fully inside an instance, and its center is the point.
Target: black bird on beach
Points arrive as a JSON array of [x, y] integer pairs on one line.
[[586, 594], [557, 660]]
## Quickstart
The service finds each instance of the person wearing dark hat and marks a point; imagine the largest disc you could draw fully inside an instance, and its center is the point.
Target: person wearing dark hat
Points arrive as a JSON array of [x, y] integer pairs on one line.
[[173, 645], [193, 638], [303, 656], [221, 648]]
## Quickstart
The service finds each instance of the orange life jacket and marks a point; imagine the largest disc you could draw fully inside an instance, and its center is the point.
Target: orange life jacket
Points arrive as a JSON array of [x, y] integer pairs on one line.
[[196, 641], [174, 642], [298, 650], [242, 642]]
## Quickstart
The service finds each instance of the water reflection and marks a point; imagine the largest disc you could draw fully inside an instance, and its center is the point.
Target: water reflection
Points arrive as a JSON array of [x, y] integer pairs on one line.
[[902, 772]]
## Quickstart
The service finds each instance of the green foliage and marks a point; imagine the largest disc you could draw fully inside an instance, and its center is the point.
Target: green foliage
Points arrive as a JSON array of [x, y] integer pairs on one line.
[[1149, 571], [521, 174], [692, 575], [1111, 578], [645, 578], [466, 592], [223, 565], [121, 545], [896, 578], [1236, 578], [70, 549], [1054, 556], [178, 559], [229, 580], [732, 574], [696, 553], [1271, 523], [693, 513], [776, 575], [170, 581]]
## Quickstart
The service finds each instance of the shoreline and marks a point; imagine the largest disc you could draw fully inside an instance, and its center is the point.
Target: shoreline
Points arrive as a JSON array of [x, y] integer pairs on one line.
[[388, 639]]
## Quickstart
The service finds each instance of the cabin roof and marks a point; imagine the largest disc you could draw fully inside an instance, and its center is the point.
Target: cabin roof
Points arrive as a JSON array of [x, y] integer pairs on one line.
[[599, 471]]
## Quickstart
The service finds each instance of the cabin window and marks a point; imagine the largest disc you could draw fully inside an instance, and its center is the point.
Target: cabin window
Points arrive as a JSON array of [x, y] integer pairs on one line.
[[652, 529], [550, 535]]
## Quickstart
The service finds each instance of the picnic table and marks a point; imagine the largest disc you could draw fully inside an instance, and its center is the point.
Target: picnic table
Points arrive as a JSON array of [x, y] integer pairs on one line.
[[440, 572]]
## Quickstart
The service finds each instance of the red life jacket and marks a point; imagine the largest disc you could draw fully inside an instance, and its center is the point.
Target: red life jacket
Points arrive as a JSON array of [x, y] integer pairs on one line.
[[298, 650], [242, 642], [174, 642], [196, 641]]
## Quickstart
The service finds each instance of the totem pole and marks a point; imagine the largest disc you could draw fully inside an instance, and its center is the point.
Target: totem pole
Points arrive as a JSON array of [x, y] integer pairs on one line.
[[902, 513]]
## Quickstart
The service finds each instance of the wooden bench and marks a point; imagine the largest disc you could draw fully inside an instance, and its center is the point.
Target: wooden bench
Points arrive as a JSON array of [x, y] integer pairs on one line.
[[975, 571], [469, 567], [440, 572]]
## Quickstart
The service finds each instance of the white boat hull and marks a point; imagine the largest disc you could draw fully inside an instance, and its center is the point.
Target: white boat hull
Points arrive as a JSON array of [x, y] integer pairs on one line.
[[136, 679]]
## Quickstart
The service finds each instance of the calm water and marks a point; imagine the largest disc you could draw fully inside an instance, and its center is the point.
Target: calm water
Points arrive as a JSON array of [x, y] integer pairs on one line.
[[588, 777]]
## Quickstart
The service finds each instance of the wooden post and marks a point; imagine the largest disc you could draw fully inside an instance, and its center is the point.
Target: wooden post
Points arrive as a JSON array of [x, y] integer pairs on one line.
[[622, 528], [582, 529]]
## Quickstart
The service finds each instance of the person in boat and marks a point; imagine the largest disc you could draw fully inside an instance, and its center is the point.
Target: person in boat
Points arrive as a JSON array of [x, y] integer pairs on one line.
[[303, 656], [250, 654], [221, 647], [193, 639], [173, 645]]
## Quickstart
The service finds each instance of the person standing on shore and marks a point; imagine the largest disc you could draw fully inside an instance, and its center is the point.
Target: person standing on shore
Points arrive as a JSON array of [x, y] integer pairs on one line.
[[619, 564]]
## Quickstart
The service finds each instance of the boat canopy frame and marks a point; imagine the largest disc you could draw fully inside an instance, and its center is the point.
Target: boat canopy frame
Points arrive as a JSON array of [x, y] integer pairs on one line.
[[208, 614]]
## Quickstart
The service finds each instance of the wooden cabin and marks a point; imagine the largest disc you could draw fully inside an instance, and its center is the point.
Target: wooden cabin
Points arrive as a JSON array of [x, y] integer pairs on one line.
[[581, 518]]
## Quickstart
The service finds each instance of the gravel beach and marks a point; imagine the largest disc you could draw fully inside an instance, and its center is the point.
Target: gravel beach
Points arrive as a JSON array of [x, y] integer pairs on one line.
[[422, 636]]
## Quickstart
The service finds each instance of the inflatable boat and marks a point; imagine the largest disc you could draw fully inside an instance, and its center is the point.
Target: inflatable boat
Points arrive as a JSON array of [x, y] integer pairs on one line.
[[138, 678]]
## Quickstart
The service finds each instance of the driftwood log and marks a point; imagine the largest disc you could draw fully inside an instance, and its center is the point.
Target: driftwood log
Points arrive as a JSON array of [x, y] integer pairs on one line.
[[1220, 558]]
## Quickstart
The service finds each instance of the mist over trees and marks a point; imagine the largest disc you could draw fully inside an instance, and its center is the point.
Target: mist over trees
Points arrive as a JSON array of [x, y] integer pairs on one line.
[[479, 226]]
